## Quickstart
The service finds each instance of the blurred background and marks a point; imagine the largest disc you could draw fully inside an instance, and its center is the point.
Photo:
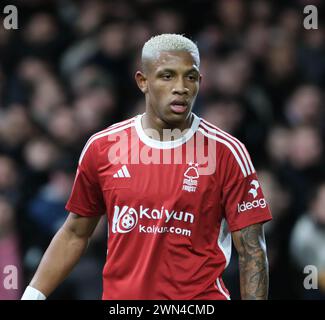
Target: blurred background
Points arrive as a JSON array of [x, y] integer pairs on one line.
[[68, 71]]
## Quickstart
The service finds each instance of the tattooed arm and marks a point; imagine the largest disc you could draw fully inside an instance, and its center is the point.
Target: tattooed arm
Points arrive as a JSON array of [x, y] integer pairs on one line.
[[253, 264]]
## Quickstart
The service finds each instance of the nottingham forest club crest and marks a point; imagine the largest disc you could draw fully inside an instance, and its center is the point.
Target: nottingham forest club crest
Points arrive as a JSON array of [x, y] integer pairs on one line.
[[191, 176]]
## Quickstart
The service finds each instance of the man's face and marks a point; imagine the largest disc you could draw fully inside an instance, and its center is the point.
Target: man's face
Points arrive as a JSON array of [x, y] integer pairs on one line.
[[171, 86]]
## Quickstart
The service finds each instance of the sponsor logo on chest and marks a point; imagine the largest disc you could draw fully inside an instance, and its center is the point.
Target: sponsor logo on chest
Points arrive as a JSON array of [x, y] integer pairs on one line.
[[126, 218]]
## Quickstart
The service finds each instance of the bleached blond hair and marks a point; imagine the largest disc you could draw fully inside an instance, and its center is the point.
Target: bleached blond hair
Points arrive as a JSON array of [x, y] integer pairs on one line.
[[169, 42]]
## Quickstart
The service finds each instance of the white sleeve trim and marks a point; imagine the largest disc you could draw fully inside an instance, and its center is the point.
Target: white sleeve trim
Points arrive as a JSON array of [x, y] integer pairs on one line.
[[33, 294]]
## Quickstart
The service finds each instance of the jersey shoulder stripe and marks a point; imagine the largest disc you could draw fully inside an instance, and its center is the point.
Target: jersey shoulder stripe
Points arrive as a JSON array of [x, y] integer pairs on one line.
[[117, 127], [228, 144], [241, 145], [113, 126], [236, 143], [121, 123]]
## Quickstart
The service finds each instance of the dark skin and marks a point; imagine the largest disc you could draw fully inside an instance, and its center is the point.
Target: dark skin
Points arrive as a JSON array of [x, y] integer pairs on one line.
[[253, 265], [173, 75], [63, 253]]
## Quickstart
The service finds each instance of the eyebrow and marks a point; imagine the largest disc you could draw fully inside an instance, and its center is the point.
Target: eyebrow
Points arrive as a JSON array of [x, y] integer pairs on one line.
[[173, 70]]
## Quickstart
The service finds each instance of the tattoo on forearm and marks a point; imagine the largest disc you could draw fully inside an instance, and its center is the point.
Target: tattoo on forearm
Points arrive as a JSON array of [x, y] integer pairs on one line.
[[253, 263]]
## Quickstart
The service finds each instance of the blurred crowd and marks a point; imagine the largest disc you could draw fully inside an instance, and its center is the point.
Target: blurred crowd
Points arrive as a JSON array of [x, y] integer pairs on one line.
[[68, 71]]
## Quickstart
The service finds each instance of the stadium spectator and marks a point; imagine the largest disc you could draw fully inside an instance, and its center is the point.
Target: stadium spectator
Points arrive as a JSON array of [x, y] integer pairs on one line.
[[307, 243]]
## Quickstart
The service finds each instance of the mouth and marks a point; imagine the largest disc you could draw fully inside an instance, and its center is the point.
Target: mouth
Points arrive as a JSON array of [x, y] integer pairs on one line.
[[178, 106]]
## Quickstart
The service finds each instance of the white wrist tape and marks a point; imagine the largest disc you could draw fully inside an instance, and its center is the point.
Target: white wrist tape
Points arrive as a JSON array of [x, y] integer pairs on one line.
[[32, 294]]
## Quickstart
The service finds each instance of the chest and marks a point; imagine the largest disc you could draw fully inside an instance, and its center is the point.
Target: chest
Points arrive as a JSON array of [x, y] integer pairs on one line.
[[182, 183]]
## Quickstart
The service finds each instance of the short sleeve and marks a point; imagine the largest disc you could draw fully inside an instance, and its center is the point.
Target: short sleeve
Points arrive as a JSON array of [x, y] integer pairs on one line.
[[242, 195], [86, 197]]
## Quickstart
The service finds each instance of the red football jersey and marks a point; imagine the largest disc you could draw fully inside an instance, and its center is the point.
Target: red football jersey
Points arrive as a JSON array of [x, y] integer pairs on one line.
[[170, 205]]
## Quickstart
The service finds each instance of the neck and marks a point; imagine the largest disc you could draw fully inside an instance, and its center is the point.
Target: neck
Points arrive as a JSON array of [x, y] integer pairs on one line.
[[152, 124]]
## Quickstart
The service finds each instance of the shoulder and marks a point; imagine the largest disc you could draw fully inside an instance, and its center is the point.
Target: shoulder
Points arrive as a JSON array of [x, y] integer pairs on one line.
[[229, 148], [213, 132], [100, 137], [114, 128]]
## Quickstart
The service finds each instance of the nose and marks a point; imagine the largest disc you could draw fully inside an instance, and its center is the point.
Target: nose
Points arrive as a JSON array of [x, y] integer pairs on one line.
[[180, 88]]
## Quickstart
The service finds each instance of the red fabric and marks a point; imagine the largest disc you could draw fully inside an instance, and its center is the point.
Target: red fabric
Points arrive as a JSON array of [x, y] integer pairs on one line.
[[165, 242]]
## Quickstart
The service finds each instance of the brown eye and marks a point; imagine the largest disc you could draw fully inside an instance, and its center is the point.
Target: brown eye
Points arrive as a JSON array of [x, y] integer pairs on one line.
[[192, 77], [166, 76]]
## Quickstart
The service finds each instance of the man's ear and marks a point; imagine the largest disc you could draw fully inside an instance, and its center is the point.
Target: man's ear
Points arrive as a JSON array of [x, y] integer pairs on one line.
[[142, 82]]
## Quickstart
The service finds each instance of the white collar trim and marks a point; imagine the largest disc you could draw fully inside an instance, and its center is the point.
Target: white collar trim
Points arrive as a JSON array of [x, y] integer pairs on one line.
[[166, 144]]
